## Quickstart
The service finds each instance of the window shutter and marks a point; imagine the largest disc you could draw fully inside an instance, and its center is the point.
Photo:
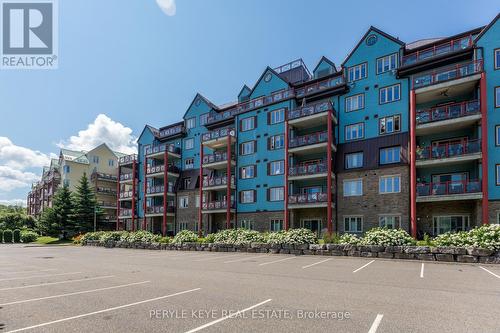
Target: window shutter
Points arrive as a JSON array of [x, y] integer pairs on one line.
[[254, 146], [269, 118], [255, 122], [269, 143], [240, 196], [241, 148], [254, 195], [255, 170], [268, 194], [241, 125], [269, 168]]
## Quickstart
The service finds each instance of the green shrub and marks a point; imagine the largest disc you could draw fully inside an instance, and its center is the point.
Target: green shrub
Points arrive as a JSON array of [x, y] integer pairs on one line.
[[1, 236], [487, 236], [140, 236], [112, 236], [17, 235], [292, 236], [387, 237], [91, 236], [165, 240], [238, 237], [332, 238], [7, 236], [210, 238], [185, 236], [28, 236], [349, 239]]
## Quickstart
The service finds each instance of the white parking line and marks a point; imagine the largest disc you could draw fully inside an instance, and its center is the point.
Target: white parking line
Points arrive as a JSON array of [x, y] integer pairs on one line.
[[75, 293], [101, 311], [272, 262], [217, 257], [422, 271], [38, 270], [498, 276], [60, 282], [356, 270], [376, 323], [37, 276], [242, 259], [317, 263], [226, 317]]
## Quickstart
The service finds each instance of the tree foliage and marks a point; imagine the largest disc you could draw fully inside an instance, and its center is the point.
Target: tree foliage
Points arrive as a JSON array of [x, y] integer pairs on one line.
[[85, 206]]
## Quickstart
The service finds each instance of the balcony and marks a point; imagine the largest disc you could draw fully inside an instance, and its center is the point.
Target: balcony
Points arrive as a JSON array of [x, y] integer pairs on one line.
[[106, 191], [172, 131], [309, 171], [159, 151], [158, 210], [444, 74], [320, 86], [310, 143], [219, 138], [437, 50], [216, 161], [449, 191], [103, 176], [217, 183], [449, 153], [126, 195], [129, 159], [158, 190], [125, 213], [159, 171], [312, 200], [107, 204], [458, 115], [126, 177], [311, 116], [216, 207]]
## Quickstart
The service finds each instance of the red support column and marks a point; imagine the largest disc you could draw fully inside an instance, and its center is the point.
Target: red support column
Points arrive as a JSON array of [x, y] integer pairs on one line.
[[118, 198], [228, 189], [200, 215], [285, 204], [413, 170], [484, 145], [134, 171], [145, 166], [165, 192], [329, 170]]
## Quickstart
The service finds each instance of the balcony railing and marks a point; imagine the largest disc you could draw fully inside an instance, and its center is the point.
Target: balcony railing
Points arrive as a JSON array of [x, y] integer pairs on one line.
[[125, 212], [448, 188], [126, 176], [161, 148], [171, 131], [161, 168], [449, 150], [159, 209], [220, 133], [320, 86], [217, 181], [309, 139], [307, 198], [105, 190], [127, 159], [126, 194], [309, 169], [104, 176], [213, 205], [446, 112], [447, 73], [310, 110], [255, 103], [159, 189], [437, 50], [106, 204], [214, 158]]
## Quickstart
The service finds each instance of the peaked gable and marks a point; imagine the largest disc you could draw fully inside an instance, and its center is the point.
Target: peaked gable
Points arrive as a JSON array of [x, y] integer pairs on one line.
[[487, 28], [244, 92], [324, 64], [268, 82], [199, 105]]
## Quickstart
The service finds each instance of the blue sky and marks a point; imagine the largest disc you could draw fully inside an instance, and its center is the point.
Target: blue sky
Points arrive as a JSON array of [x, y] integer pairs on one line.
[[129, 62]]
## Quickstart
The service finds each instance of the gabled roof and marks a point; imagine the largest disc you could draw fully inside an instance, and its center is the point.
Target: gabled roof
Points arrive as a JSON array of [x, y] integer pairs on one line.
[[486, 28], [325, 59], [372, 28], [262, 75], [244, 88], [198, 95], [153, 131]]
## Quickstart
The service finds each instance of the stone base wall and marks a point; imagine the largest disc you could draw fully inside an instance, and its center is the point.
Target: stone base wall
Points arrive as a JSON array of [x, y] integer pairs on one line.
[[494, 211], [261, 220]]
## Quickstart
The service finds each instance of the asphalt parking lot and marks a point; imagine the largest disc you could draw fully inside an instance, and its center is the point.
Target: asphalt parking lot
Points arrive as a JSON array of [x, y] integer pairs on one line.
[[93, 289]]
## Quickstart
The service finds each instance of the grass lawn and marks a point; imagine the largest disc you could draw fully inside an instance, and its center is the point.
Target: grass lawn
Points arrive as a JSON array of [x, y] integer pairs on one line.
[[51, 240]]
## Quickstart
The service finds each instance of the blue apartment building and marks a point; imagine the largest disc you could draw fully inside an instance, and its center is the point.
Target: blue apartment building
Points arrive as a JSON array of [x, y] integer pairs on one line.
[[399, 135]]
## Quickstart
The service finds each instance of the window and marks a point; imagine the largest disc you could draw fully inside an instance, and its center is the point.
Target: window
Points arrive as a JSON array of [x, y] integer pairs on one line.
[[191, 123], [247, 196], [390, 155], [497, 97], [353, 223], [247, 148], [276, 194], [66, 169], [389, 94], [247, 224], [353, 187], [189, 163], [498, 174], [357, 72], [354, 160], [276, 116], [353, 103], [497, 59], [276, 168], [66, 182], [452, 223], [277, 142], [183, 226], [247, 124], [387, 63], [247, 172], [186, 182], [389, 184], [276, 225], [111, 163], [95, 159], [204, 118], [354, 132], [390, 124], [189, 144], [497, 135], [389, 221], [197, 201], [184, 202]]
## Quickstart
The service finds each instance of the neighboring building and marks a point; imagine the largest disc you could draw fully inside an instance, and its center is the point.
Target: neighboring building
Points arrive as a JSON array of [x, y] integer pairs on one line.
[[101, 167], [400, 135]]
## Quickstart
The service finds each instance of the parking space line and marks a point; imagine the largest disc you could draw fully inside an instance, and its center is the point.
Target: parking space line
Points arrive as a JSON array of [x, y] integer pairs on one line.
[[243, 259], [34, 271], [102, 311], [75, 293], [227, 317], [37, 276], [272, 262], [217, 257], [497, 276], [60, 282], [357, 270], [422, 271], [317, 263], [376, 323]]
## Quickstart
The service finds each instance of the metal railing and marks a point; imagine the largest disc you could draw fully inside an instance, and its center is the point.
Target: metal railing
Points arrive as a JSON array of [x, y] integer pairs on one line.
[[105, 190], [446, 74], [450, 111], [217, 181], [126, 176], [308, 139], [159, 189], [319, 86], [170, 131], [213, 205], [125, 212], [104, 176], [447, 150], [448, 188], [159, 209], [307, 198], [310, 110], [437, 50], [309, 169], [213, 158], [127, 159], [219, 133], [161, 168], [161, 148], [126, 194]]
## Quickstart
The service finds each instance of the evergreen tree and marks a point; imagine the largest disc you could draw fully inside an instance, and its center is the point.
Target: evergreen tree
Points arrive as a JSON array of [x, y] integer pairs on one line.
[[46, 225], [85, 205], [63, 209]]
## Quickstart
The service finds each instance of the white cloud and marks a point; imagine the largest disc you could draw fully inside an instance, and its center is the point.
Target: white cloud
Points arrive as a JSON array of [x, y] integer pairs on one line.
[[14, 202], [103, 130], [11, 178], [167, 6], [18, 157]]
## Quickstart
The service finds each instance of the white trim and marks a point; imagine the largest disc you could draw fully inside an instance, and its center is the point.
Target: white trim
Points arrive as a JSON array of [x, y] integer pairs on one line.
[[450, 215], [352, 180], [353, 216], [392, 190]]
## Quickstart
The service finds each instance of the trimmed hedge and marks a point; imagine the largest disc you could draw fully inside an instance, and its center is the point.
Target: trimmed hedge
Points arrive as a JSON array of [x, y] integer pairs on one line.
[[28, 236], [17, 236], [1, 236], [7, 236]]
